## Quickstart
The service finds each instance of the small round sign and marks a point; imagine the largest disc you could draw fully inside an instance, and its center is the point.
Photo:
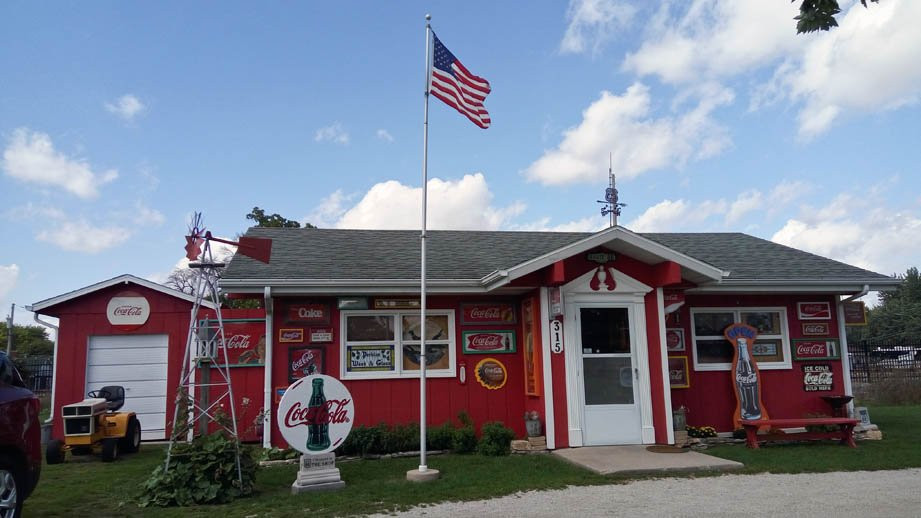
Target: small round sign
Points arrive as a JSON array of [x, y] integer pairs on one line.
[[315, 414], [491, 373]]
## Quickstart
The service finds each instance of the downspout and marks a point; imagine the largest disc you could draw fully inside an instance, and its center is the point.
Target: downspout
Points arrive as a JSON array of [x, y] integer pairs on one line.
[[842, 336], [267, 370], [54, 366]]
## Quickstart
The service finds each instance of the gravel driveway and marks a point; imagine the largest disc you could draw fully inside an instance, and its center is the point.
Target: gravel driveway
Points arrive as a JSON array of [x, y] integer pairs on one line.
[[854, 493]]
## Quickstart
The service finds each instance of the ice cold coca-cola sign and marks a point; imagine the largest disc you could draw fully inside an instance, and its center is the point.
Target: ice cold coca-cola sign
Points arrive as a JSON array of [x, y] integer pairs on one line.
[[128, 311], [315, 418], [817, 378]]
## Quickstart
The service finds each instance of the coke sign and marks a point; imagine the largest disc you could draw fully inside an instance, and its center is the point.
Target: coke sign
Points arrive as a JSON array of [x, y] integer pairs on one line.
[[483, 342], [815, 349], [814, 310], [315, 415], [817, 378], [499, 313], [309, 313], [128, 311]]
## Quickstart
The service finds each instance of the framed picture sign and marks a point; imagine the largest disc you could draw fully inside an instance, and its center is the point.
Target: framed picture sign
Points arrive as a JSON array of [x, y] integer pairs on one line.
[[369, 358], [678, 372], [816, 329], [489, 342], [813, 310], [674, 339], [304, 361]]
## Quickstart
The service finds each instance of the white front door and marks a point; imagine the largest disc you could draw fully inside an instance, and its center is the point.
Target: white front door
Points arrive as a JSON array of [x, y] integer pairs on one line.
[[607, 346]]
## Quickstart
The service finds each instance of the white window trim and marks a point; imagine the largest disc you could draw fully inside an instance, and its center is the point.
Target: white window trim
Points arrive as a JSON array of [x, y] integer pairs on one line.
[[398, 372], [736, 311]]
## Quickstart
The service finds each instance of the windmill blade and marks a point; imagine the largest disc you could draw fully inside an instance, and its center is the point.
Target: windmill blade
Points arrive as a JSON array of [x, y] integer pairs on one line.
[[256, 247]]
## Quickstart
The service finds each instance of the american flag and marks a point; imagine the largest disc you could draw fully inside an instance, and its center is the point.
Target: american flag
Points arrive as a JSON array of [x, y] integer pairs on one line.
[[457, 87]]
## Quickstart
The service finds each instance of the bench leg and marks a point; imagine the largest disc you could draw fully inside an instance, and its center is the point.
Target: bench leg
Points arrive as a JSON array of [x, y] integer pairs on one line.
[[751, 437], [847, 435]]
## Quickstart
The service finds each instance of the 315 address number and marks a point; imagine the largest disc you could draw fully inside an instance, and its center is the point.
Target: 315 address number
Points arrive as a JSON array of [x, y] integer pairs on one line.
[[556, 336]]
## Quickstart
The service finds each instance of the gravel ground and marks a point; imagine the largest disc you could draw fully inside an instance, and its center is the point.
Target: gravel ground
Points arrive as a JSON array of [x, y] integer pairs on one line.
[[854, 493]]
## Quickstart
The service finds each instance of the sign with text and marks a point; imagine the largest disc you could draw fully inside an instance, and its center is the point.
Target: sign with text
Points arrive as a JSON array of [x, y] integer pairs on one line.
[[489, 342], [556, 301], [321, 335], [674, 339], [531, 352], [315, 414], [244, 341], [855, 313], [369, 358], [815, 349], [817, 378], [489, 313], [816, 329], [678, 372], [814, 310], [128, 312], [556, 336], [672, 300], [491, 373], [310, 313], [290, 336], [304, 361]]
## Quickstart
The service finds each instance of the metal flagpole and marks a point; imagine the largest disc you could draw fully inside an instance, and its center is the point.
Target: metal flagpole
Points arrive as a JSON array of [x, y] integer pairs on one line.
[[423, 473]]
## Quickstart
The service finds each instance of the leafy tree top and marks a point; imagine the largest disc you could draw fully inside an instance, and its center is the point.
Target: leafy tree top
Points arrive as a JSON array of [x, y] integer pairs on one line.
[[273, 220], [818, 15]]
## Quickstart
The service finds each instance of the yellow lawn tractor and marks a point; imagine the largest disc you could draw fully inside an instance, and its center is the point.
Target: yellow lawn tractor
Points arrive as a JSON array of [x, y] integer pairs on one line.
[[95, 425]]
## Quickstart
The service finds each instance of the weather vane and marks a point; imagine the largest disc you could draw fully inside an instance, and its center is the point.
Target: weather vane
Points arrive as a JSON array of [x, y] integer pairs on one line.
[[611, 204]]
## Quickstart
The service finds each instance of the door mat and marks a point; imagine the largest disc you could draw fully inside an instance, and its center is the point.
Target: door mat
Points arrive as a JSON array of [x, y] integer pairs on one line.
[[664, 448]]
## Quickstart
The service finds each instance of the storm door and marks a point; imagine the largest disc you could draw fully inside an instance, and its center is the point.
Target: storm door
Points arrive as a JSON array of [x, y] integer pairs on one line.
[[609, 375]]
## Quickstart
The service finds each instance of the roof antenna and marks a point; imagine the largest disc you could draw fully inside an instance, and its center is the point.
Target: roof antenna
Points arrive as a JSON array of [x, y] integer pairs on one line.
[[611, 205]]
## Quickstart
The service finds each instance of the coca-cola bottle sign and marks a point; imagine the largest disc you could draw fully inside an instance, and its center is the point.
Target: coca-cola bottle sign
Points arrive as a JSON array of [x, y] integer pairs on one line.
[[316, 413]]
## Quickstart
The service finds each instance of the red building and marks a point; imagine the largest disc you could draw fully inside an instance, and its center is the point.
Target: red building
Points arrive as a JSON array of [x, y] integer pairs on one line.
[[602, 334]]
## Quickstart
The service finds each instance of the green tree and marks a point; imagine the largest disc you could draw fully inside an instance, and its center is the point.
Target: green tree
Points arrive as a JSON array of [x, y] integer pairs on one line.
[[273, 220], [898, 315], [818, 15], [27, 341]]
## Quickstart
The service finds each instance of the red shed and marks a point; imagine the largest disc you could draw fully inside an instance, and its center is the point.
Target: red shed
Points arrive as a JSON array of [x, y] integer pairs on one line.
[[603, 334]]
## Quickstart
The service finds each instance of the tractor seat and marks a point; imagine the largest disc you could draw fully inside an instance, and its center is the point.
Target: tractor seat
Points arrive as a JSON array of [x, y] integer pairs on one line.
[[114, 396]]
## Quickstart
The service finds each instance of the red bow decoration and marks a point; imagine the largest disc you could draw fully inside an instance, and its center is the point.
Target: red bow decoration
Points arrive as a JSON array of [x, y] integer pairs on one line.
[[609, 282]]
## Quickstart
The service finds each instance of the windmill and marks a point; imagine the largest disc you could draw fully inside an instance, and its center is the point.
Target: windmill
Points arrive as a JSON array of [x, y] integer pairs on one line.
[[205, 343]]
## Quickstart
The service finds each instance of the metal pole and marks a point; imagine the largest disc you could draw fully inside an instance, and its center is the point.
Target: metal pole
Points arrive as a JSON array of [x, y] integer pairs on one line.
[[425, 174], [9, 321]]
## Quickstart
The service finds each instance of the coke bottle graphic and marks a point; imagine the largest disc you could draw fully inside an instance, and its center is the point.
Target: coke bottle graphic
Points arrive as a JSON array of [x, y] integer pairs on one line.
[[747, 383], [318, 419]]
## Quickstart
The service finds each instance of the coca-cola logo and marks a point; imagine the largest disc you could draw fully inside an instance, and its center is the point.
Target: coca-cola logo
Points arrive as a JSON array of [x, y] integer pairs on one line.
[[484, 342], [815, 329], [812, 349], [485, 313], [334, 411], [237, 342], [303, 361], [489, 313], [817, 378], [491, 373], [128, 312], [291, 335], [814, 310]]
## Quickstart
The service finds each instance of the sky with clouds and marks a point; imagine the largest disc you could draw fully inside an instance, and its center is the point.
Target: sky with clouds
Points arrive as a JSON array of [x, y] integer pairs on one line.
[[118, 120]]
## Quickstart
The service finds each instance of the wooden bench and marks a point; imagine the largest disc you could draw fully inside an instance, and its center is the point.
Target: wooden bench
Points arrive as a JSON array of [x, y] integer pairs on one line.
[[845, 432]]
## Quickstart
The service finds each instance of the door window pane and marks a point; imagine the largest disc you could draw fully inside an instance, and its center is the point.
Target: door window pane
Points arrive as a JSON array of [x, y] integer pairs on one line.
[[605, 330], [608, 381], [369, 328]]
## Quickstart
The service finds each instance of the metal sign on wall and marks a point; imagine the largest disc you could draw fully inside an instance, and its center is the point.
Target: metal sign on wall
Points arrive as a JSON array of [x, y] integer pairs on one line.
[[315, 414], [818, 378], [128, 311]]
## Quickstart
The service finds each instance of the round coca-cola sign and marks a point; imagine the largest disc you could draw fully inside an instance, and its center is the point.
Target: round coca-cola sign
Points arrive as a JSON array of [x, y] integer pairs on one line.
[[315, 415], [128, 311]]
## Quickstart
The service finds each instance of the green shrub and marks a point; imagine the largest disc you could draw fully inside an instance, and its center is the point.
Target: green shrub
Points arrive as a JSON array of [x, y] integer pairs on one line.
[[464, 440], [495, 439], [362, 441], [203, 471], [440, 437], [278, 454]]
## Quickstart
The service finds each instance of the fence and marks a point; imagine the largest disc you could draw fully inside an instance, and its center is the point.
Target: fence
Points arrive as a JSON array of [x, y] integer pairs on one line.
[[878, 360], [36, 372]]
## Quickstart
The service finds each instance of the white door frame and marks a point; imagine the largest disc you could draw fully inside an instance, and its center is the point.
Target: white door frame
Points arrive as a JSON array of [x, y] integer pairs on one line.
[[628, 293]]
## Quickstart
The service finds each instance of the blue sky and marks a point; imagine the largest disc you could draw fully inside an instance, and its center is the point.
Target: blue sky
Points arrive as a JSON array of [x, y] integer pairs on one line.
[[119, 119]]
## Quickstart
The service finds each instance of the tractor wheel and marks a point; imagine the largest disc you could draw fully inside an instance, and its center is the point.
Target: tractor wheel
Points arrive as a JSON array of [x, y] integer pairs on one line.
[[131, 442], [54, 452], [109, 449]]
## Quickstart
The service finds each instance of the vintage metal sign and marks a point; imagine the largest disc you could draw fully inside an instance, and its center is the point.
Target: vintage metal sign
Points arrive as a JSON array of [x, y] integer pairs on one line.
[[491, 373], [678, 372], [855, 313], [817, 378], [816, 329], [244, 340], [674, 339], [815, 349], [290, 336], [128, 312], [308, 313], [321, 335], [315, 414], [369, 358], [489, 342], [814, 310], [489, 313]]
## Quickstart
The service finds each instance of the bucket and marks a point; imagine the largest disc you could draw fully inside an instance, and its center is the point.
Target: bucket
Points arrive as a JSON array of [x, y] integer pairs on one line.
[[679, 419], [532, 426]]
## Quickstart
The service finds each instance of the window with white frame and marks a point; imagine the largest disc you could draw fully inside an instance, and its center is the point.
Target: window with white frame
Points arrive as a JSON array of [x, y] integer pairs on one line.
[[387, 344], [713, 352]]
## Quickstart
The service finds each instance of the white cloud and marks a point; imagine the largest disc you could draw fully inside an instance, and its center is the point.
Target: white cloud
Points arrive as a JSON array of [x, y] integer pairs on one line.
[[332, 133], [461, 204], [144, 215], [9, 274], [593, 22], [31, 157], [587, 224], [747, 202], [329, 210], [82, 236], [857, 231], [384, 135], [126, 107], [869, 63], [677, 216], [622, 125], [712, 39]]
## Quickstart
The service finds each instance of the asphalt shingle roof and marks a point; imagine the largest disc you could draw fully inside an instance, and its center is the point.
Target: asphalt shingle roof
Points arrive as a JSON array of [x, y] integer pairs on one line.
[[454, 255]]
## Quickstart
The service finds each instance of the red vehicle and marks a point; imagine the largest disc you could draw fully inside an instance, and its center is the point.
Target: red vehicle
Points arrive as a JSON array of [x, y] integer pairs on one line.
[[20, 440]]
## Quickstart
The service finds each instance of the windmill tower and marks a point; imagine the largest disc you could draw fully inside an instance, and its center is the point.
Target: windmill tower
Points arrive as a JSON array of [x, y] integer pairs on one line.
[[611, 204], [205, 349]]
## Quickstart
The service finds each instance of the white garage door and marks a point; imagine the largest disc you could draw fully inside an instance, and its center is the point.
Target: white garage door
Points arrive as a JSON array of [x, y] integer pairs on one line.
[[138, 363]]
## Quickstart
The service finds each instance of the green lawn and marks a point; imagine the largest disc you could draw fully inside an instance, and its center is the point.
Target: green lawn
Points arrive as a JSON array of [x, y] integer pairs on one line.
[[92, 488]]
